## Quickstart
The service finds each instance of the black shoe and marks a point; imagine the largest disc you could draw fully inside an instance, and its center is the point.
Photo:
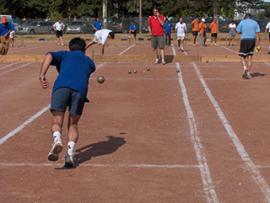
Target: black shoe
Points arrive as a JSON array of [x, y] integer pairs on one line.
[[69, 161]]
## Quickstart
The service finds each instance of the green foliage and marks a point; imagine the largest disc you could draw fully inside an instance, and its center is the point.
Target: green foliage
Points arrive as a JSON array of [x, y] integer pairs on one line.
[[80, 8]]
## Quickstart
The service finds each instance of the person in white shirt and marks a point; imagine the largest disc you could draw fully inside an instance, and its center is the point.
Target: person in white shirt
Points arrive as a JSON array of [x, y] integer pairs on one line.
[[267, 35], [181, 29], [59, 27], [232, 32], [101, 37]]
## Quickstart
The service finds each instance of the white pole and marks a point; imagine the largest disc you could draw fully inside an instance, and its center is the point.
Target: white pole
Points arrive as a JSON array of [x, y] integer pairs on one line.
[[104, 12]]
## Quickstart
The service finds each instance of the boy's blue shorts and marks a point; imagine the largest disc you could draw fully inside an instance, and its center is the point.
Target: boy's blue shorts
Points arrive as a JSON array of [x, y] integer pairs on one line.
[[66, 97]]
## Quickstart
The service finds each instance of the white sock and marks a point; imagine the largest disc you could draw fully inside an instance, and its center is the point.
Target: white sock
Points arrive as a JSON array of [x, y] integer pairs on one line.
[[56, 136], [71, 147]]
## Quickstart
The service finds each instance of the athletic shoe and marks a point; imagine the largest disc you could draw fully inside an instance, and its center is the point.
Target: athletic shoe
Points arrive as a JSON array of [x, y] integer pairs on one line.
[[163, 62], [246, 75], [69, 161], [156, 61], [55, 151]]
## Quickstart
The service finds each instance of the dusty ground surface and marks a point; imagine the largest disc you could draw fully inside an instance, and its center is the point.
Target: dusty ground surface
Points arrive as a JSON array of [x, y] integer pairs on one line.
[[153, 136]]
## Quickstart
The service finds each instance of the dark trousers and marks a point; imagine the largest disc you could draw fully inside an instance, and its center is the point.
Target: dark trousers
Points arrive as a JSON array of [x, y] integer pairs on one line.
[[168, 39]]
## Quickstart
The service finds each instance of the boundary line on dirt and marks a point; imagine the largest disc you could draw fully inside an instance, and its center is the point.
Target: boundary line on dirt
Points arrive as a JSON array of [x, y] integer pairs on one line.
[[208, 186], [255, 173], [17, 68], [150, 166]]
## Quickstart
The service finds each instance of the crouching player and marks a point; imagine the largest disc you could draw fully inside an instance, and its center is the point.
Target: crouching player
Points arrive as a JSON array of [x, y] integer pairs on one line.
[[69, 91]]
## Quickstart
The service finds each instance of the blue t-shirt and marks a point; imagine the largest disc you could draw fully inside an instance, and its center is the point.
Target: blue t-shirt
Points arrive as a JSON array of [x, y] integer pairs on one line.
[[4, 29], [132, 27], [98, 25], [167, 27], [74, 69], [248, 29]]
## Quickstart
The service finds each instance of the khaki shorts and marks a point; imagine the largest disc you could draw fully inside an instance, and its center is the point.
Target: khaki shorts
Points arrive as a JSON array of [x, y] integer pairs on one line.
[[180, 37], [4, 45], [157, 42]]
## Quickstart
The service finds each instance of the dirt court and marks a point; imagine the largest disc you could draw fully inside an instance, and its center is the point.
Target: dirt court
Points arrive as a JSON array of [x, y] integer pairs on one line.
[[187, 131]]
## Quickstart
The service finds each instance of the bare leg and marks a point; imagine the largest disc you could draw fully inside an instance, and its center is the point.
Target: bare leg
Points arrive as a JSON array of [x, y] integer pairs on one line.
[[249, 63], [61, 41], [57, 121], [162, 54], [73, 132]]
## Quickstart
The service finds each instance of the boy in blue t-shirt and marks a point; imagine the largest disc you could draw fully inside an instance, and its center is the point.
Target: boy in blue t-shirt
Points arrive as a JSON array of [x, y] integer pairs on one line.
[[132, 29], [168, 31], [69, 91], [97, 24]]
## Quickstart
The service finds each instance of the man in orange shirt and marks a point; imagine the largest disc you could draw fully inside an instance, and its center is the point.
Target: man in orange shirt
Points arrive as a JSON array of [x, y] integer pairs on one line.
[[214, 31], [195, 29], [202, 32]]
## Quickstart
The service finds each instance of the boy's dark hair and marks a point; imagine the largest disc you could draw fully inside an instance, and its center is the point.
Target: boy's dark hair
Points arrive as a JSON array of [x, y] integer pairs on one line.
[[112, 35], [248, 15], [77, 44]]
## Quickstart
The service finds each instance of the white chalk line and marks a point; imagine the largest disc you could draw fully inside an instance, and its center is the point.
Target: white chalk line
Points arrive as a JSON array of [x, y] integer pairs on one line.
[[208, 186], [231, 50], [12, 133], [255, 173], [7, 66], [13, 69], [23, 125], [131, 46], [150, 166]]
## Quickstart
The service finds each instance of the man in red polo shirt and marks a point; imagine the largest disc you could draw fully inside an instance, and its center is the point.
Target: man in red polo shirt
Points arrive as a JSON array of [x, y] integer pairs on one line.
[[155, 27]]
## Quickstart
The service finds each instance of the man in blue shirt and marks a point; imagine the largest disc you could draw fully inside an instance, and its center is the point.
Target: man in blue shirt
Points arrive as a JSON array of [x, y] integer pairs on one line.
[[132, 29], [69, 91], [249, 30], [5, 29], [168, 31], [97, 24]]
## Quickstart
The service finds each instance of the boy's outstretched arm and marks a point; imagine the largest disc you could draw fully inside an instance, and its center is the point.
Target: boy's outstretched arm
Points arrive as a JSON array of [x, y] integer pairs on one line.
[[43, 70], [90, 44]]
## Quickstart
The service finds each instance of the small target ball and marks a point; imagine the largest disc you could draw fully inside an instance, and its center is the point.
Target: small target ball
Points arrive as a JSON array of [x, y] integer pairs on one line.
[[134, 71], [148, 69], [100, 79], [129, 72]]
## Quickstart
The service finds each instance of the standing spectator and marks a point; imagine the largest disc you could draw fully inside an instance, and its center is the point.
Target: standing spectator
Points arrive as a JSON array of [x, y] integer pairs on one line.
[[97, 24], [5, 29], [195, 30], [155, 27], [132, 30], [181, 29], [168, 31], [214, 31], [59, 28], [249, 30], [202, 32], [267, 35], [232, 33]]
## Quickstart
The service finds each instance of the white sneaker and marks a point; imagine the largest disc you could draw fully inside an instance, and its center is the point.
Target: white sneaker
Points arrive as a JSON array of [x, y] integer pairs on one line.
[[163, 62], [156, 61], [69, 161], [55, 151]]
